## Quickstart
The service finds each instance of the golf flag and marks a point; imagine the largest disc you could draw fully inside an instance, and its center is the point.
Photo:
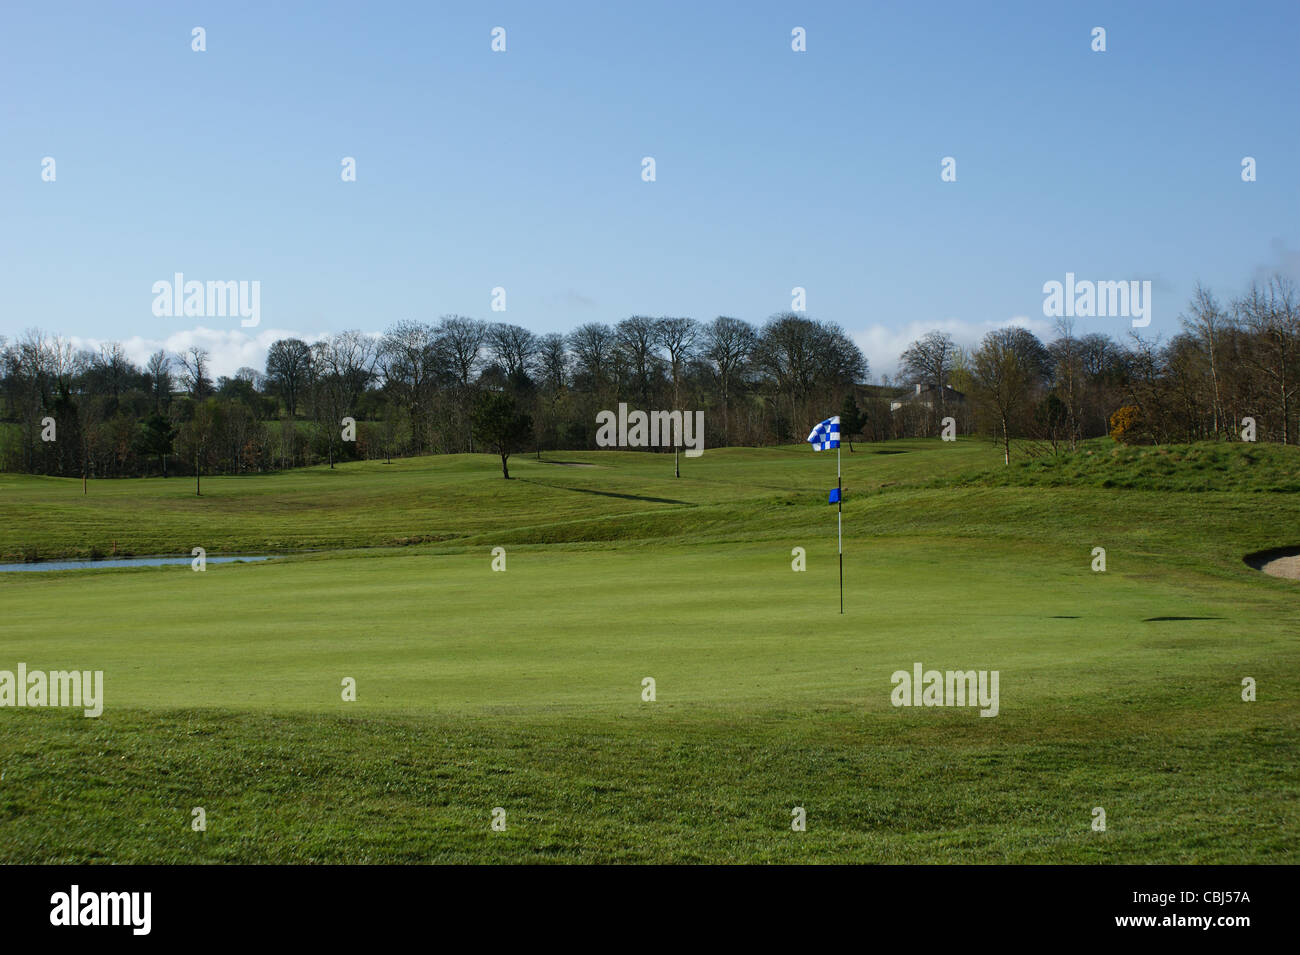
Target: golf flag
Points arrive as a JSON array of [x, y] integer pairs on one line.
[[826, 435]]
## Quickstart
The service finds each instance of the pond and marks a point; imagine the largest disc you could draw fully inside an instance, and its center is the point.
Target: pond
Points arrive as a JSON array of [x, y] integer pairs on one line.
[[116, 562]]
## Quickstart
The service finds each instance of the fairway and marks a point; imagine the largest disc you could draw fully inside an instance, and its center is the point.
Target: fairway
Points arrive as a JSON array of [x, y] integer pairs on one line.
[[523, 689]]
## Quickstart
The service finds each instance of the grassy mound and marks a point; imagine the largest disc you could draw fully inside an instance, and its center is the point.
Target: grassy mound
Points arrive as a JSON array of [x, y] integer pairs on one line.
[[1205, 466]]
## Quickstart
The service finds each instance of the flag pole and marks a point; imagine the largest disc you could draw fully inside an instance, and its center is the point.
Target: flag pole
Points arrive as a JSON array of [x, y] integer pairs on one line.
[[839, 521]]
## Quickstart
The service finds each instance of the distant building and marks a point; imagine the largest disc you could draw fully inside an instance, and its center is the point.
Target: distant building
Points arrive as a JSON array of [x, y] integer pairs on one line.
[[927, 396]]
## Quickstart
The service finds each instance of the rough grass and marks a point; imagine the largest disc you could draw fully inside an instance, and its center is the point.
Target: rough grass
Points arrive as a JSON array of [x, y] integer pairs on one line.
[[666, 787], [1206, 466]]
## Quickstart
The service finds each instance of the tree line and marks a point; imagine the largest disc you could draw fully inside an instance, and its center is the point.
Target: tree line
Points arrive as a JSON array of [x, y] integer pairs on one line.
[[461, 384], [1232, 370]]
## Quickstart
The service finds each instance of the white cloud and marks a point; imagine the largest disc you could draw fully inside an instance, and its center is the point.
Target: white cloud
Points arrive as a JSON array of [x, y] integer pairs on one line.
[[883, 344], [230, 349]]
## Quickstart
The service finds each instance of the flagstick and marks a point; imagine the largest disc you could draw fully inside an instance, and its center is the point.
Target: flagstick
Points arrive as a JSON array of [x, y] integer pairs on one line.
[[839, 520]]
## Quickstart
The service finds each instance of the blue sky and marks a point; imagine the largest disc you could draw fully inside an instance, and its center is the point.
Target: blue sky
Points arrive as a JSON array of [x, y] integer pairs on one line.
[[522, 169]]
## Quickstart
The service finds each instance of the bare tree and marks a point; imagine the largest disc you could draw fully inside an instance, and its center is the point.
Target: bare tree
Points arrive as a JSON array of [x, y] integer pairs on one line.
[[194, 371], [593, 352], [1272, 315], [352, 358], [343, 366], [677, 336], [786, 351], [728, 345], [1206, 322], [112, 369], [410, 365], [929, 360], [1068, 362], [461, 341], [553, 361], [159, 370], [1006, 368], [288, 366], [837, 361], [514, 348], [637, 339]]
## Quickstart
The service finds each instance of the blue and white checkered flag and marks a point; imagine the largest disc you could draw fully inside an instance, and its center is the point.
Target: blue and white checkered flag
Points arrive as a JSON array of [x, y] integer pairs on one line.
[[826, 435]]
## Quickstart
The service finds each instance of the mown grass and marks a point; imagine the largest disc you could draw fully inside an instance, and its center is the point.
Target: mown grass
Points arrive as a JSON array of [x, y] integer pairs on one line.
[[434, 499], [523, 689]]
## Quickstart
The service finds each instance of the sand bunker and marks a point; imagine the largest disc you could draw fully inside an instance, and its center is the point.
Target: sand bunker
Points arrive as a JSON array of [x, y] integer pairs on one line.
[[1278, 562]]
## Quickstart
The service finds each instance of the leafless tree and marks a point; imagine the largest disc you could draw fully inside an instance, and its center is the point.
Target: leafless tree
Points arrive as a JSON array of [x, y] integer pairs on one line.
[[1272, 314], [112, 368], [677, 336], [593, 352], [553, 361], [1068, 371], [514, 348], [159, 370], [288, 367], [1206, 322], [194, 362], [351, 356], [462, 340], [929, 359], [637, 339], [728, 346], [1009, 364]]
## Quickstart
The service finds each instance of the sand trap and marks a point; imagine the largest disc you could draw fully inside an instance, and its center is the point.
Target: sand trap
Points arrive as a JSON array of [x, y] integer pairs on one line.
[[1279, 562]]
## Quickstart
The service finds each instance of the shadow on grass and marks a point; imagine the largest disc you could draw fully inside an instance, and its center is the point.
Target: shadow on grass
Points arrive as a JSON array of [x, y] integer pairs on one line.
[[626, 497]]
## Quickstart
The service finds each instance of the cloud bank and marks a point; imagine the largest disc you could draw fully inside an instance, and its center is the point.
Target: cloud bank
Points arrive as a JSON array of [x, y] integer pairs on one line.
[[230, 348], [882, 344]]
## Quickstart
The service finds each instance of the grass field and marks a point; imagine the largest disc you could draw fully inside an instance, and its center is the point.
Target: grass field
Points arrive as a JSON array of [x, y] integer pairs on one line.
[[523, 689]]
